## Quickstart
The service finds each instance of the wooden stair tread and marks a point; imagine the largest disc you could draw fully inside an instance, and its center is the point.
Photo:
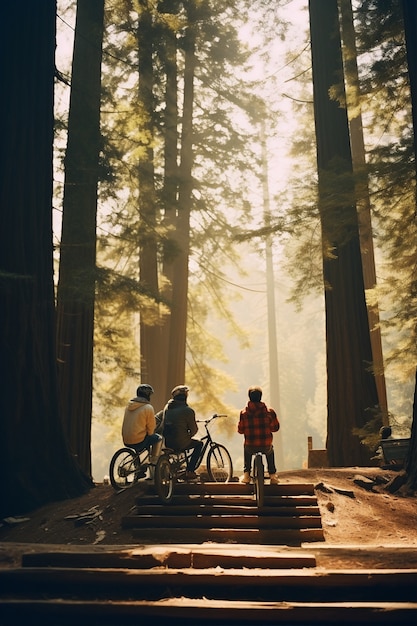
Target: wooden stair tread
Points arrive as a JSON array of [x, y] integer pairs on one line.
[[233, 488], [187, 611], [223, 509], [220, 521], [238, 584], [232, 500], [253, 535], [175, 556]]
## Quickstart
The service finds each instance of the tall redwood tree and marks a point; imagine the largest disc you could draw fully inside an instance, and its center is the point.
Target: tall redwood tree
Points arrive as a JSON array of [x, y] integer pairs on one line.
[[351, 388], [77, 267], [36, 464], [410, 25]]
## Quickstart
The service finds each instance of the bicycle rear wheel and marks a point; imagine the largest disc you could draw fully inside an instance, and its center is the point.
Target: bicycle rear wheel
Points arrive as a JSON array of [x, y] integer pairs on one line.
[[219, 464], [259, 479], [164, 479], [123, 468]]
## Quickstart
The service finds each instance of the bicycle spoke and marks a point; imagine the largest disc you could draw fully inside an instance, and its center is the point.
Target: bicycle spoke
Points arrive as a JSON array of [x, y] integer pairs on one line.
[[219, 464], [123, 468], [164, 479]]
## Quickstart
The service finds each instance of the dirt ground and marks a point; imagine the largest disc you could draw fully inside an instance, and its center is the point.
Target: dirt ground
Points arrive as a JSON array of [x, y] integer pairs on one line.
[[358, 508]]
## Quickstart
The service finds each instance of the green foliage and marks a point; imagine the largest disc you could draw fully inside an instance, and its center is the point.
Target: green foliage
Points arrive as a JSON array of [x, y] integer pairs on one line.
[[384, 79], [204, 348], [223, 172], [369, 433], [390, 174]]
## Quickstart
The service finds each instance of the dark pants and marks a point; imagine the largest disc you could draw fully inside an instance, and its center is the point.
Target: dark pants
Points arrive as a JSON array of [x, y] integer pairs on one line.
[[248, 451], [196, 446], [146, 443]]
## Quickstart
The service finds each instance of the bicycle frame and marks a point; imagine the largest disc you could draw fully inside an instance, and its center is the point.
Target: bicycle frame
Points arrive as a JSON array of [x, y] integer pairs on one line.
[[183, 456], [173, 464], [143, 457], [206, 439]]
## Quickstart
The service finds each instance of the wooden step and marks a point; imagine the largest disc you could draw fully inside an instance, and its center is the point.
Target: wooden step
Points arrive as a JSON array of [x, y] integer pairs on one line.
[[224, 509], [291, 537], [228, 512], [238, 584], [189, 612], [174, 556], [232, 500], [222, 555], [221, 521], [212, 585], [211, 488]]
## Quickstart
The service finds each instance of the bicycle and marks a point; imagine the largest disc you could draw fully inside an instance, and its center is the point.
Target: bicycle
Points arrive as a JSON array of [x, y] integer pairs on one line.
[[172, 464], [258, 473], [128, 466]]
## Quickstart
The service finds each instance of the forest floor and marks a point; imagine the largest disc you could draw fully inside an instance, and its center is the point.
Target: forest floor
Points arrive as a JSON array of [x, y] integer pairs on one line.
[[360, 508]]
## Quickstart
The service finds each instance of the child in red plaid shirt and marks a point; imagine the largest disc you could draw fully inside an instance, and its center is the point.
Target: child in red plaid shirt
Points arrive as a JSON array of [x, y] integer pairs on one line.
[[257, 422]]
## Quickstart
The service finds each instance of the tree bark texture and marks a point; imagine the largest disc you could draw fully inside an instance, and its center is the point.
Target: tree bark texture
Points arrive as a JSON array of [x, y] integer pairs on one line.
[[410, 27], [178, 326], [351, 389], [77, 270], [170, 189], [36, 465], [148, 262], [363, 202]]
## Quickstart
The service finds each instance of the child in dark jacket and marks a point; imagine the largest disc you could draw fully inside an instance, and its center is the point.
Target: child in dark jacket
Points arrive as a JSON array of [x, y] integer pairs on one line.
[[180, 426]]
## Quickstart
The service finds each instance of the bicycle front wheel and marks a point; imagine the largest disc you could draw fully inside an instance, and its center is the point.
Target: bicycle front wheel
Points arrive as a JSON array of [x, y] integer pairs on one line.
[[123, 468], [259, 479], [164, 479], [219, 464]]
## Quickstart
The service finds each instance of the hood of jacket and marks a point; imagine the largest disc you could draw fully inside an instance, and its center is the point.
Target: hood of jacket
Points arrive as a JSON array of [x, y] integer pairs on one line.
[[253, 407], [173, 403], [135, 403]]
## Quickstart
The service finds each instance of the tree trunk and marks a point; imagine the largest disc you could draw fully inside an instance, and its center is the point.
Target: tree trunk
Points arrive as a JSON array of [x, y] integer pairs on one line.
[[36, 465], [148, 266], [178, 325], [76, 287], [274, 373], [362, 196], [410, 26], [169, 194], [351, 389]]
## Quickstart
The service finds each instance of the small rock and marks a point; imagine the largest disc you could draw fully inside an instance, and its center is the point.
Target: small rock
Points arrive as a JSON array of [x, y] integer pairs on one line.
[[13, 521], [345, 492], [396, 483], [364, 482], [100, 535], [322, 487]]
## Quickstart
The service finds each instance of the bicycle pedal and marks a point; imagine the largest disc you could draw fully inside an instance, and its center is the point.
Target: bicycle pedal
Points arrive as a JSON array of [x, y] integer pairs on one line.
[[192, 478]]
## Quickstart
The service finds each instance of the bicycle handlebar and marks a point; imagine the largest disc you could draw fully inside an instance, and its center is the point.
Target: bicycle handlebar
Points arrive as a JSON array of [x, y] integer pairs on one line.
[[211, 418]]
